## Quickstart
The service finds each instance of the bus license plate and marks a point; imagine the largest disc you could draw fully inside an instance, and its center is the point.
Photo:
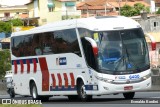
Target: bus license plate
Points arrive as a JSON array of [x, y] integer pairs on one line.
[[128, 87]]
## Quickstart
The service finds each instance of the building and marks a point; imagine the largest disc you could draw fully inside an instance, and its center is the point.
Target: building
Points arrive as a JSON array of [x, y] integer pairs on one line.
[[5, 43], [105, 7], [52, 10], [10, 12], [13, 9], [157, 3], [38, 12]]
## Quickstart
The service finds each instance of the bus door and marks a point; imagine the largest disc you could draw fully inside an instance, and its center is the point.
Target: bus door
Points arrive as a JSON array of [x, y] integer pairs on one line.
[[89, 53], [91, 62]]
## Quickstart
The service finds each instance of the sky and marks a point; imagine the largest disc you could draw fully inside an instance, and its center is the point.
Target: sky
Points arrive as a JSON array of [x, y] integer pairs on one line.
[[13, 2]]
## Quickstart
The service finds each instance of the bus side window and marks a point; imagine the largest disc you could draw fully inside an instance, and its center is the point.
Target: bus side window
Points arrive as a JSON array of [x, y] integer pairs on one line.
[[67, 42], [45, 43]]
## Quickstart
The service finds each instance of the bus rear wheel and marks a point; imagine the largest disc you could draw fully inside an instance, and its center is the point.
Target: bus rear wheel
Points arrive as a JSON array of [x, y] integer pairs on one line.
[[129, 95], [11, 93], [82, 93]]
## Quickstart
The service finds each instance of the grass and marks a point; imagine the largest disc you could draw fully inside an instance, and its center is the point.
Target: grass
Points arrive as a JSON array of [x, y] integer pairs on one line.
[[20, 105]]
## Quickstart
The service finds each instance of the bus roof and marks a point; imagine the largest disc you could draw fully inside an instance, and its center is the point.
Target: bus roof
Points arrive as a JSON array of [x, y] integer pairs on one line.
[[102, 23]]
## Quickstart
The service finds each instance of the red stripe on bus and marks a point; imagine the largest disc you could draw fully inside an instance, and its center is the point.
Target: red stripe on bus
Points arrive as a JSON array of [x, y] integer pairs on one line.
[[60, 80], [72, 80], [53, 81], [45, 74], [22, 66], [28, 66], [15, 67], [34, 65], [66, 80]]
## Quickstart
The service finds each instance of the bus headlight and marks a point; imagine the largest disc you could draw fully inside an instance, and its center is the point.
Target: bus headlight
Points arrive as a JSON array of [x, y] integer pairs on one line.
[[104, 79], [146, 76]]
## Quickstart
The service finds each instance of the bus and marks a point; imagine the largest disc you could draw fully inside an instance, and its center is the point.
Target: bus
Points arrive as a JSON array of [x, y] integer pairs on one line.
[[81, 58]]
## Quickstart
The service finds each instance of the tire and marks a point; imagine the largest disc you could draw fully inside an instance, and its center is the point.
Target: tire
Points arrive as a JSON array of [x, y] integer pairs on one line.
[[35, 96], [129, 95], [73, 97], [11, 93], [82, 94], [34, 92]]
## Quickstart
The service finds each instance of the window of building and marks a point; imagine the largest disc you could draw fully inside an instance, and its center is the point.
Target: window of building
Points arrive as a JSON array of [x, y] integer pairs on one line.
[[155, 24], [69, 4], [50, 5], [7, 14]]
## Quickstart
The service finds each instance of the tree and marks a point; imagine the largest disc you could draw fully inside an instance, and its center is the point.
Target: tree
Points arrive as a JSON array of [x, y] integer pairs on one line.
[[139, 7], [6, 27], [128, 11], [158, 12], [16, 22], [5, 62]]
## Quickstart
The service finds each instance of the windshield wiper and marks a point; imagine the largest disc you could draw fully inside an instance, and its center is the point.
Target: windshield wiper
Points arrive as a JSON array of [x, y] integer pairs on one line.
[[130, 59], [121, 59]]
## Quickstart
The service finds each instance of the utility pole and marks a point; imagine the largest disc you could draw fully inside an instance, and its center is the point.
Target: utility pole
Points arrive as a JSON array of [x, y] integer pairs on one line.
[[106, 8], [66, 14], [119, 6]]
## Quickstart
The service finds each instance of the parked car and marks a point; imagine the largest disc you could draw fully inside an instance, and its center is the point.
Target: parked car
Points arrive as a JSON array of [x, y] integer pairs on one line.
[[9, 83]]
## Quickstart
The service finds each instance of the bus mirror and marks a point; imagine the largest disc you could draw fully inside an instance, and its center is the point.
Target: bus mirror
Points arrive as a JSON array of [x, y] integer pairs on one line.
[[153, 42], [94, 46]]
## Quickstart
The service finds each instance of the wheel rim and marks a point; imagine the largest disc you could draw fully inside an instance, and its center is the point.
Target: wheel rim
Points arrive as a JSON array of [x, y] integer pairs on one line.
[[11, 93], [34, 92], [83, 92]]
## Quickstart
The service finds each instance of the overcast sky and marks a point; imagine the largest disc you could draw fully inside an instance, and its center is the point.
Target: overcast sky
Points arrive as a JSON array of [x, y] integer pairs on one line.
[[13, 2]]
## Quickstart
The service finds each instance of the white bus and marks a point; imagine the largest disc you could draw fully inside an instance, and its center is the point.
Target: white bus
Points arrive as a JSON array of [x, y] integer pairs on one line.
[[80, 58]]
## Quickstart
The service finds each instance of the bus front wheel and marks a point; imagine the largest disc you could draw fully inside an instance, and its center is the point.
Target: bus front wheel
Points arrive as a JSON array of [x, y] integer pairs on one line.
[[34, 92], [129, 95], [82, 93], [35, 96]]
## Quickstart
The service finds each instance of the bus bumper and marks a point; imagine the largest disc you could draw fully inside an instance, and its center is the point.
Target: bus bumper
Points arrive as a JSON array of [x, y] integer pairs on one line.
[[108, 88]]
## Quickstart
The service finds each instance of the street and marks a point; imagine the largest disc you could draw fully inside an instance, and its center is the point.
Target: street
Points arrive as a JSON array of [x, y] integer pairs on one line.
[[101, 101]]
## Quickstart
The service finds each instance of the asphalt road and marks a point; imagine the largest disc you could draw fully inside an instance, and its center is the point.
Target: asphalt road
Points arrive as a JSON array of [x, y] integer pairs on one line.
[[147, 99]]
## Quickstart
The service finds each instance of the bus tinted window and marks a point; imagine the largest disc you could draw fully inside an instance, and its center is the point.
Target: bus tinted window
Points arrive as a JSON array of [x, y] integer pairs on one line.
[[64, 41]]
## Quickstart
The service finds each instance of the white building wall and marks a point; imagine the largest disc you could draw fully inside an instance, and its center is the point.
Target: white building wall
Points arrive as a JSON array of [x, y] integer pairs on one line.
[[36, 8], [153, 7]]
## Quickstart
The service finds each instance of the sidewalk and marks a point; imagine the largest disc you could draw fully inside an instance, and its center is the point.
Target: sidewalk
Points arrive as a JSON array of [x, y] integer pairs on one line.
[[2, 88], [155, 88], [3, 92]]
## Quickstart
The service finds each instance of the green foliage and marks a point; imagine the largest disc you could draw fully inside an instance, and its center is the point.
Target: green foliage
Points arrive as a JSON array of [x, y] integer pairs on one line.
[[139, 7], [1, 26], [5, 62], [16, 22], [129, 11], [147, 9], [158, 12], [6, 27]]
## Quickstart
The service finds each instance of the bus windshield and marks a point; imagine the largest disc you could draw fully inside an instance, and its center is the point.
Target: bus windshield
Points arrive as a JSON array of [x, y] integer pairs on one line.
[[122, 52]]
